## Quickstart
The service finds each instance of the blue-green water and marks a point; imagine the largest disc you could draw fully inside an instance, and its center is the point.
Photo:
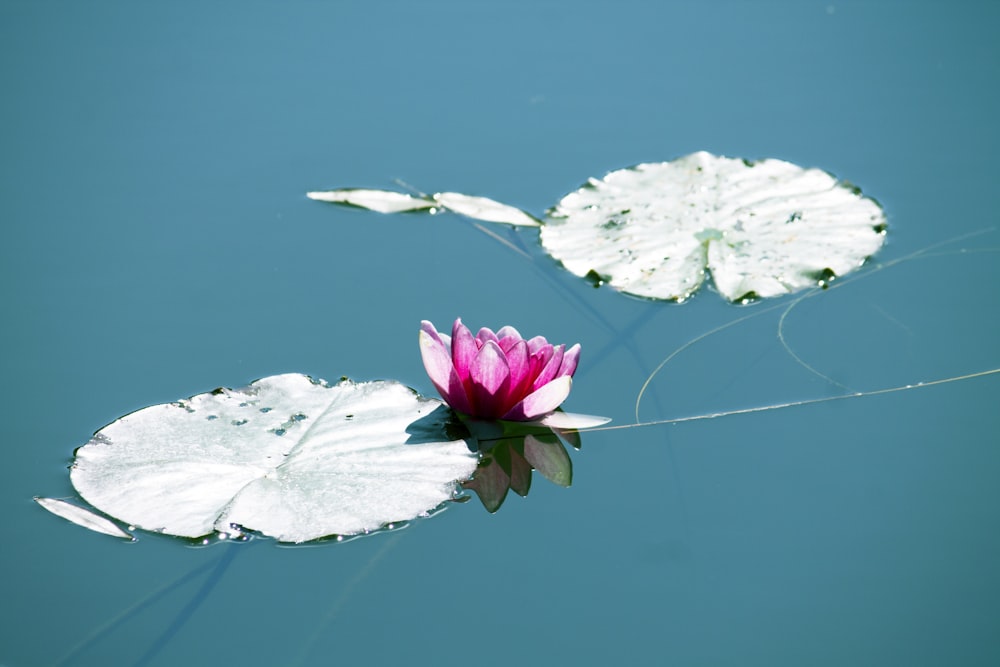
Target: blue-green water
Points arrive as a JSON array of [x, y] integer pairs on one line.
[[157, 243]]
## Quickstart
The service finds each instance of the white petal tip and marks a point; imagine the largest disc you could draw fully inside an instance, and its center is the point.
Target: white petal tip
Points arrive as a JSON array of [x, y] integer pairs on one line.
[[571, 421]]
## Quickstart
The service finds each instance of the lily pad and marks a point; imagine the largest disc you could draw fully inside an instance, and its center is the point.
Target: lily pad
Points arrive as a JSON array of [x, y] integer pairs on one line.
[[761, 229], [288, 457]]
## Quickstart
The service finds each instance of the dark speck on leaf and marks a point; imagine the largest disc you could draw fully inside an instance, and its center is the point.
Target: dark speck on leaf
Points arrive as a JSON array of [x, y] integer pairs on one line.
[[595, 279]]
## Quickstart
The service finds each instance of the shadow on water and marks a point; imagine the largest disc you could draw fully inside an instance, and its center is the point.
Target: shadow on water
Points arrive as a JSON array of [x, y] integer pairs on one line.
[[214, 571], [184, 615], [215, 574]]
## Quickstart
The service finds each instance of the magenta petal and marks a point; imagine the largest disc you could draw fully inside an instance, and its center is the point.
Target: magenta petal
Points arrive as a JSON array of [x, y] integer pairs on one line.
[[437, 363], [508, 332], [569, 361], [507, 343], [430, 339], [490, 378], [551, 369], [489, 369], [537, 343], [539, 358], [463, 349], [485, 335], [520, 371], [542, 401]]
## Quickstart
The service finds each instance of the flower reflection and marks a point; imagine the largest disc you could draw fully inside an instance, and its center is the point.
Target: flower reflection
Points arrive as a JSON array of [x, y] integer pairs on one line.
[[509, 454]]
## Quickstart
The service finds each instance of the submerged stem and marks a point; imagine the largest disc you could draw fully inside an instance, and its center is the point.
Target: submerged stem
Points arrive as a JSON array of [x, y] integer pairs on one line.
[[793, 404]]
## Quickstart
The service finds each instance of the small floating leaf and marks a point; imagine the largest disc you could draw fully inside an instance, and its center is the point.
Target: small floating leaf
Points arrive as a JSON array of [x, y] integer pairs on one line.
[[762, 229], [307, 460], [487, 210], [383, 201], [387, 201], [83, 517]]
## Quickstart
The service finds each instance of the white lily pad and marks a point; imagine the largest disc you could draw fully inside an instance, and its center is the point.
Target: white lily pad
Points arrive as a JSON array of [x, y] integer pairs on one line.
[[762, 229], [288, 457]]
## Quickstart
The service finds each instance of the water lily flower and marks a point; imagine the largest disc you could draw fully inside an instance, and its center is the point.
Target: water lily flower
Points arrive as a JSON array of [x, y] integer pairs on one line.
[[497, 375]]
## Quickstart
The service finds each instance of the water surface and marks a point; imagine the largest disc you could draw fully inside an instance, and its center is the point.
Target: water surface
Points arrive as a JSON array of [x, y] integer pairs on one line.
[[158, 244]]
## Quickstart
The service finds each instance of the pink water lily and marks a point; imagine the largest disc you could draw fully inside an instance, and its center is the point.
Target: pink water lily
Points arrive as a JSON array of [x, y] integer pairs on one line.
[[497, 375]]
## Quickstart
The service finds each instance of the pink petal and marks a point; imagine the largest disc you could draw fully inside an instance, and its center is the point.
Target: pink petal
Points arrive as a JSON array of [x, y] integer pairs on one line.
[[490, 378], [437, 363], [551, 369], [539, 359], [431, 343], [508, 332], [537, 343], [485, 335], [463, 349], [507, 343], [541, 401], [569, 361], [520, 371]]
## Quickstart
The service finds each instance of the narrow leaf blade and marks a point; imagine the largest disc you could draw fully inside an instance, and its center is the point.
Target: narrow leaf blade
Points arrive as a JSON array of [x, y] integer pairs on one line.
[[382, 201], [487, 210], [83, 517]]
